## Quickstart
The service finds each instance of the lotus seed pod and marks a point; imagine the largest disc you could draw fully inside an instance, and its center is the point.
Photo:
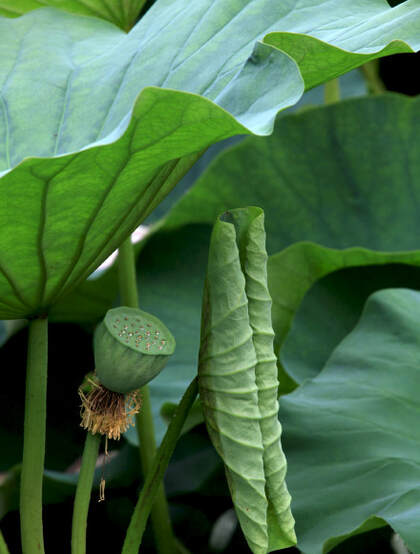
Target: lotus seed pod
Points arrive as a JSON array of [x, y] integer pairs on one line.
[[131, 347]]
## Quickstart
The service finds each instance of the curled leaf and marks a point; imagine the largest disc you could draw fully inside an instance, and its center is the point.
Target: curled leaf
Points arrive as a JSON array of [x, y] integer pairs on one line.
[[238, 379]]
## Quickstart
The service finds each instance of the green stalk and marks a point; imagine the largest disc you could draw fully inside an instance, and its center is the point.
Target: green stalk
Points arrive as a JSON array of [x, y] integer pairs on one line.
[[371, 74], [157, 471], [83, 493], [34, 438], [3, 545], [332, 91], [161, 522], [127, 275]]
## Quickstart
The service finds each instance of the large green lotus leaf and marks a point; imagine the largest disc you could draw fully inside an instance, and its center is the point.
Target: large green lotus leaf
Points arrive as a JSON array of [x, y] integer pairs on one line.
[[121, 12], [60, 217], [237, 378], [86, 103], [351, 434], [330, 310], [57, 227]]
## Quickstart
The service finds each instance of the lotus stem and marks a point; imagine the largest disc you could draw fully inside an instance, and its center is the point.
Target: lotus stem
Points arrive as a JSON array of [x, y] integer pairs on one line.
[[161, 522], [127, 278], [371, 74], [34, 438], [332, 91], [157, 471], [83, 493]]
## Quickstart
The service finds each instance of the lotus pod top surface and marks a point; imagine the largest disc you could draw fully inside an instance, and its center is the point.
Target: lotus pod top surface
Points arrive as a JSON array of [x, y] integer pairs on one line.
[[139, 331]]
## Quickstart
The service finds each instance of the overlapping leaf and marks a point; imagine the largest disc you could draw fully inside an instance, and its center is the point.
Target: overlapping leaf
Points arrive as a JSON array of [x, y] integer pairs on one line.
[[332, 307], [238, 379], [295, 270], [69, 84], [351, 434], [329, 38]]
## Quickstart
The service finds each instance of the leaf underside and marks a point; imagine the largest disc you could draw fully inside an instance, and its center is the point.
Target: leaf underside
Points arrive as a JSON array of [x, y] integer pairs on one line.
[[238, 379], [351, 434], [86, 149]]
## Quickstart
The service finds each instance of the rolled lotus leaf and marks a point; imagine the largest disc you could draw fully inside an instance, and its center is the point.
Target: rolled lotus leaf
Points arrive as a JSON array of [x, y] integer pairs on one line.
[[131, 348], [238, 379]]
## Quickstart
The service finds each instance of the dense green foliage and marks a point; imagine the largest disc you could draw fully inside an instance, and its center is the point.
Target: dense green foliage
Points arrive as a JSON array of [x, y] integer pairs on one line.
[[307, 381]]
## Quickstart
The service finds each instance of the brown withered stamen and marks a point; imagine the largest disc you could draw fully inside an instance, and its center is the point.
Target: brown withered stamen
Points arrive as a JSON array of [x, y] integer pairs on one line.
[[106, 412]]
